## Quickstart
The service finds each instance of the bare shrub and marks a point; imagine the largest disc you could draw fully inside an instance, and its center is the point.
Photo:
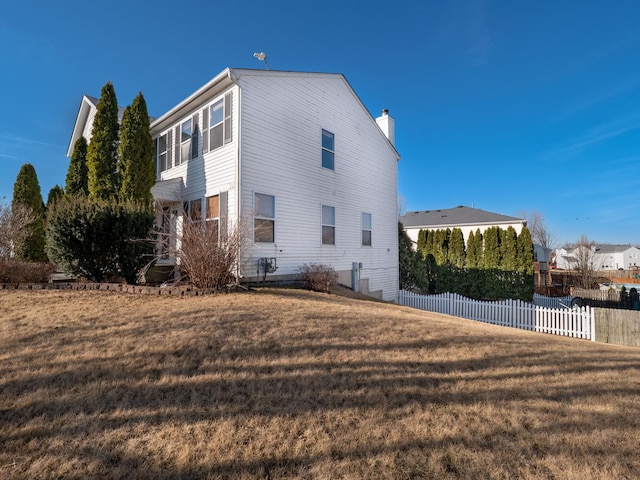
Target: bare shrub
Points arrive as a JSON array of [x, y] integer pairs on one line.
[[208, 252], [19, 271], [13, 228], [317, 277]]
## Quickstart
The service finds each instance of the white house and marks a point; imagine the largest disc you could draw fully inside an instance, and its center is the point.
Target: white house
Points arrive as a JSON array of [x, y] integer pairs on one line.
[[605, 257], [465, 218], [296, 154]]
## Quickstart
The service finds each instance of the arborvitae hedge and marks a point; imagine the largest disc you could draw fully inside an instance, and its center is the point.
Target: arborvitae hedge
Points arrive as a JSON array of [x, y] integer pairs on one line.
[[491, 248], [135, 154], [77, 174], [421, 245], [508, 249], [26, 191], [510, 277], [412, 273], [55, 194], [99, 240], [457, 253], [102, 152]]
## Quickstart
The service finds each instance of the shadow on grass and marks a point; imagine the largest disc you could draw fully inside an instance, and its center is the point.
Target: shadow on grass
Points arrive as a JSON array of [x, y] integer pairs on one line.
[[221, 376]]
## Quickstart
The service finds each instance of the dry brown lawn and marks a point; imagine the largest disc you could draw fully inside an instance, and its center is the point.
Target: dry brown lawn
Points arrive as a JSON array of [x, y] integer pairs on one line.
[[294, 384]]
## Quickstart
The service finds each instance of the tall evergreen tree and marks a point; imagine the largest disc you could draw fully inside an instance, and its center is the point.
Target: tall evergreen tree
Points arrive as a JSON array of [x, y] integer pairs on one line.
[[509, 249], [472, 251], [492, 248], [479, 239], [135, 154], [457, 253], [77, 174], [430, 248], [525, 252], [55, 194], [422, 242], [102, 152], [441, 246], [411, 267], [26, 192]]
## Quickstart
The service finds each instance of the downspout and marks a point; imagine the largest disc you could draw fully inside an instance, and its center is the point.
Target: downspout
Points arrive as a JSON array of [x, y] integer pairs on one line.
[[235, 79]]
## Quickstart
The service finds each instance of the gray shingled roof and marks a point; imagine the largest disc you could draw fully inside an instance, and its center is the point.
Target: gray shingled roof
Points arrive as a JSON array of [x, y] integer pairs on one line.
[[458, 216], [612, 248]]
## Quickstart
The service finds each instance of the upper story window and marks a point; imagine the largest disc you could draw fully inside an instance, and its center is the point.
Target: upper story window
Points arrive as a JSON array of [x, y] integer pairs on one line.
[[328, 225], [264, 218], [366, 229], [186, 132], [217, 118], [328, 150], [162, 153]]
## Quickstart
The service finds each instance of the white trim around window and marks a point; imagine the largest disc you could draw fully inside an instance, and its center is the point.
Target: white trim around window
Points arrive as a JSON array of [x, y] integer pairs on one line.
[[328, 225]]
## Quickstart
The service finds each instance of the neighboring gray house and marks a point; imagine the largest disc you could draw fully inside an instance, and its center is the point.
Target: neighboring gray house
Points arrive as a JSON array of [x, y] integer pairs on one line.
[[295, 154], [465, 218]]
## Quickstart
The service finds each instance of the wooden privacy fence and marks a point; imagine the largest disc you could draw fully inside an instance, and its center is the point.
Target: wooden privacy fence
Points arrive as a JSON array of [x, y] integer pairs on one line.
[[576, 322]]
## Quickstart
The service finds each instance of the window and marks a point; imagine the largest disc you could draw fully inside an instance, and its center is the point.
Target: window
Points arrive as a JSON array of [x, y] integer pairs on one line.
[[162, 153], [264, 218], [195, 210], [328, 150], [166, 239], [220, 123], [366, 229], [213, 211], [185, 142], [328, 225]]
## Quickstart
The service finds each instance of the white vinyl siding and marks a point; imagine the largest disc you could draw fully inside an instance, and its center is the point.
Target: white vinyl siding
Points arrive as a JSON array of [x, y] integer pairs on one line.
[[281, 133]]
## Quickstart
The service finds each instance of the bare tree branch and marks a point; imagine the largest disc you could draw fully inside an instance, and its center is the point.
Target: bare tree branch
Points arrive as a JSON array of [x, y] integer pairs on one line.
[[13, 227]]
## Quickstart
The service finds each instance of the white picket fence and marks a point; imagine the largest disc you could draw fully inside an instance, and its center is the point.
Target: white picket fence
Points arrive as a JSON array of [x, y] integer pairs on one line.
[[576, 322]]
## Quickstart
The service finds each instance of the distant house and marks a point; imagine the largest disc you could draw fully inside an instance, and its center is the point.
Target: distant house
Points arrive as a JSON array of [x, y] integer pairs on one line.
[[604, 257], [465, 218], [299, 157]]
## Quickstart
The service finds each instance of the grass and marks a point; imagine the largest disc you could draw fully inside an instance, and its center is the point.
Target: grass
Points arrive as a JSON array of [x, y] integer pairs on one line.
[[293, 384]]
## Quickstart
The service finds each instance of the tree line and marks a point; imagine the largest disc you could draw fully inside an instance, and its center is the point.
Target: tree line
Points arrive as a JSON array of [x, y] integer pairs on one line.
[[494, 264]]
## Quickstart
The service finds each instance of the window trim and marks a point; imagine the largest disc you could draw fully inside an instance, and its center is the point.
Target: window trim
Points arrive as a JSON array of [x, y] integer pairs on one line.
[[328, 225], [183, 143], [363, 229], [190, 211], [256, 216], [225, 123], [331, 150], [159, 153]]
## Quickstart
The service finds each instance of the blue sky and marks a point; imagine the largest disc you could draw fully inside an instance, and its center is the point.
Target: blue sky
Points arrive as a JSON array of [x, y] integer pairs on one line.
[[505, 106]]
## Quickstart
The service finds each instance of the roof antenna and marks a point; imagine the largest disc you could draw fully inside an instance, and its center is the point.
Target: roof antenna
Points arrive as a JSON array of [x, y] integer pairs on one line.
[[263, 58]]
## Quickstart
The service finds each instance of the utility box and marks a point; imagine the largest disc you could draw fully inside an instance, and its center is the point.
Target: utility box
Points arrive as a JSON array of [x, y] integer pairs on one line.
[[267, 265], [355, 276]]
